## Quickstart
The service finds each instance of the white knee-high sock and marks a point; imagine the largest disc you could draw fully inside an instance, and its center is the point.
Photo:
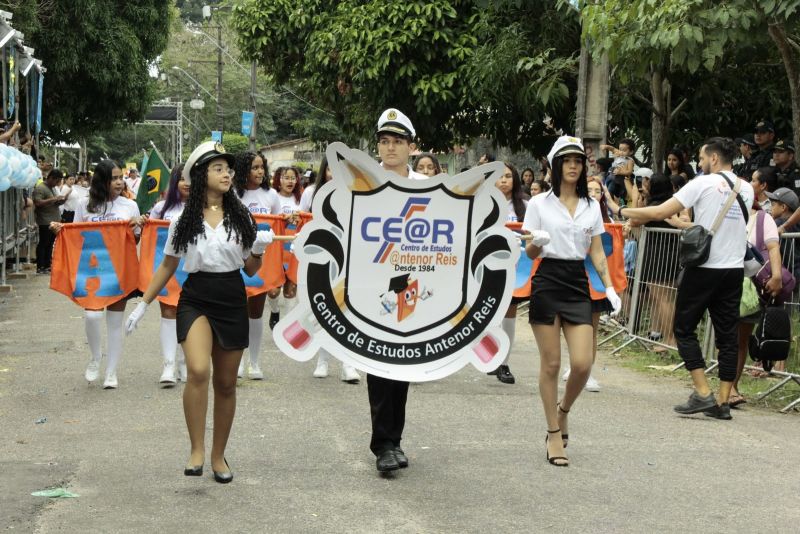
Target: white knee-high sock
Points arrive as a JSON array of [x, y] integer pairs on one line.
[[169, 340], [509, 326], [93, 322], [323, 356], [290, 303], [256, 333], [274, 304], [114, 320]]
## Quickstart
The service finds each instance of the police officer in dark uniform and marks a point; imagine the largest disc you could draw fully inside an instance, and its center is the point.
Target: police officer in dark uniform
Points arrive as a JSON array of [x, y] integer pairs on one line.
[[764, 136], [746, 146], [788, 170]]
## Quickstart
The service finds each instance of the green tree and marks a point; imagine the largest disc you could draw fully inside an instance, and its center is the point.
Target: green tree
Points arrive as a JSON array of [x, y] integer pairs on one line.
[[458, 68], [97, 54]]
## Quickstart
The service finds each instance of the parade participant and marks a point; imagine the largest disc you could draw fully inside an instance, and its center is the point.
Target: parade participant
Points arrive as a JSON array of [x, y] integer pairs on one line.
[[527, 178], [788, 170], [170, 209], [565, 224], [348, 373], [538, 187], [106, 203], [46, 202], [510, 185], [427, 164], [387, 397], [286, 182], [133, 181], [716, 285], [216, 236], [252, 186]]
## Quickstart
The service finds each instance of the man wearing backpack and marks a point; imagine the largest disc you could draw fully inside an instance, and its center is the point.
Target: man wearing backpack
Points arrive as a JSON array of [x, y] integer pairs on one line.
[[715, 285]]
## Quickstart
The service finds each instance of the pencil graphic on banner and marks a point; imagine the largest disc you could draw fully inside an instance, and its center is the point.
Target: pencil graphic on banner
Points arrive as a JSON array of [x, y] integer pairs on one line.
[[302, 331]]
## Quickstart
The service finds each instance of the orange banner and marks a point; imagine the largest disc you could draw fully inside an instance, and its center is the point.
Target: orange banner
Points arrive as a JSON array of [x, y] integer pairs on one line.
[[525, 270], [613, 245], [289, 259], [95, 264], [151, 249], [271, 274]]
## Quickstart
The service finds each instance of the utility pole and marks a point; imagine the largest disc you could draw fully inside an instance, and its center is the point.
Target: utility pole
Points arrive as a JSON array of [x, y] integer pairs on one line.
[[253, 88], [220, 115]]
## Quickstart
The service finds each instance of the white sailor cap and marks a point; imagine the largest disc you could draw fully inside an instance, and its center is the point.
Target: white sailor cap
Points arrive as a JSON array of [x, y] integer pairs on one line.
[[203, 153], [395, 121], [565, 144]]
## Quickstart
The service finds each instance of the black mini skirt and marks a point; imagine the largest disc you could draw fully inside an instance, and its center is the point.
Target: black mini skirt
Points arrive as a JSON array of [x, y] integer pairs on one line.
[[222, 299], [560, 287]]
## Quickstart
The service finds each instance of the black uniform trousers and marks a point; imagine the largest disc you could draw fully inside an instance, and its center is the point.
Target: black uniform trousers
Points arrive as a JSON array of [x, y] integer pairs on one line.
[[719, 291], [387, 404]]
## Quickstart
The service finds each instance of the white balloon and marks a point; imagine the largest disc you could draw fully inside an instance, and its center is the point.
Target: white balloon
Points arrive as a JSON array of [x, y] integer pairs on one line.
[[5, 183]]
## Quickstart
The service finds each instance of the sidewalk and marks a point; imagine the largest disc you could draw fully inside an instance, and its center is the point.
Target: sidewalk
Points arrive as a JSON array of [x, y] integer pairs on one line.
[[300, 457]]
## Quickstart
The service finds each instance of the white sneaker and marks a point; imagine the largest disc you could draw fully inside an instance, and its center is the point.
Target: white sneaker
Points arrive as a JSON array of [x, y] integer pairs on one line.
[[111, 381], [349, 374], [255, 372], [182, 372], [92, 371], [565, 376], [240, 374], [592, 384], [167, 379], [322, 369]]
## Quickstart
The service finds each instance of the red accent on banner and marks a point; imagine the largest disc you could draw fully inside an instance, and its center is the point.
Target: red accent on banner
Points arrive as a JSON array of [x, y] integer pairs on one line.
[[95, 264]]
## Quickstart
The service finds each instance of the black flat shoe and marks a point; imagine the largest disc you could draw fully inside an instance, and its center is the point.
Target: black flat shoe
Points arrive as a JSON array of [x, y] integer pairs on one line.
[[504, 375], [402, 459], [387, 461], [274, 317], [195, 471], [224, 478]]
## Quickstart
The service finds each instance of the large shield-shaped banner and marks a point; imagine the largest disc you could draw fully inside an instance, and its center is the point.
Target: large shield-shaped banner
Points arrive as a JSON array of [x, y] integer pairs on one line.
[[405, 279]]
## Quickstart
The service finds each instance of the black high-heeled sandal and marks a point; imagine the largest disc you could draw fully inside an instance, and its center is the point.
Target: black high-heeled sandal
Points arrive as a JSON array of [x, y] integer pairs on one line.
[[196, 471], [564, 437], [553, 459]]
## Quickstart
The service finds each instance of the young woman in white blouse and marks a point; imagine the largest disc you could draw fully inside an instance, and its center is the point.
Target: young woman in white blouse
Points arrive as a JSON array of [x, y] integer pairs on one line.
[[565, 224], [216, 236], [286, 182], [510, 185], [252, 186], [170, 209], [106, 203]]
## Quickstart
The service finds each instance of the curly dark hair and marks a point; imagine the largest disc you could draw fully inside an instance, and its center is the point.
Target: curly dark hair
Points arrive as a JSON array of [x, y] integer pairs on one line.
[[297, 192], [100, 190], [236, 218], [244, 161]]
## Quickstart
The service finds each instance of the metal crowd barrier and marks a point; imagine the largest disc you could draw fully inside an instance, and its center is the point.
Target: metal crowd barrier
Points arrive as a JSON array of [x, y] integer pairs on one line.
[[18, 235], [649, 301]]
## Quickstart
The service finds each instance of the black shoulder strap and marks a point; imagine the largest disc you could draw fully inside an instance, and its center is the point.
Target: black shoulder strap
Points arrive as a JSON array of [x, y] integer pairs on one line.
[[745, 211]]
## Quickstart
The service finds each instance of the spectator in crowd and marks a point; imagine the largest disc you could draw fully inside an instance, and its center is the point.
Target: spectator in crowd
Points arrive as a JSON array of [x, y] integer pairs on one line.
[[544, 166], [46, 202], [538, 187], [784, 203], [788, 170], [308, 178], [678, 181], [64, 189], [427, 164], [688, 170], [9, 133], [765, 180], [716, 285], [622, 166], [746, 146], [675, 164], [133, 181], [764, 137], [527, 180], [485, 158], [770, 249]]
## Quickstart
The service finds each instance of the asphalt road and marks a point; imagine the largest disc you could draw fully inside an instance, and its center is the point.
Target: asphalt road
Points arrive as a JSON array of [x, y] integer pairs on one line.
[[300, 456]]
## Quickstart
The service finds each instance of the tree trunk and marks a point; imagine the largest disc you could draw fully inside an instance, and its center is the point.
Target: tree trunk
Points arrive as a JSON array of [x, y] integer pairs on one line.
[[659, 128], [791, 62]]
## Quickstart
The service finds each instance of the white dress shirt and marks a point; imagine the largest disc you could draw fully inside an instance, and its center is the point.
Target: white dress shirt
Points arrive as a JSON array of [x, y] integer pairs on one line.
[[213, 252], [570, 237]]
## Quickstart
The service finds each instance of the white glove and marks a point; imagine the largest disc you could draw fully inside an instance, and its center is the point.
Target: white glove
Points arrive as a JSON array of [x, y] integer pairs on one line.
[[263, 238], [616, 302], [135, 316], [540, 238]]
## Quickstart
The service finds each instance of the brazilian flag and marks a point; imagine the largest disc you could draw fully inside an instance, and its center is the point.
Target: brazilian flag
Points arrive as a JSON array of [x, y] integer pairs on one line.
[[155, 180]]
